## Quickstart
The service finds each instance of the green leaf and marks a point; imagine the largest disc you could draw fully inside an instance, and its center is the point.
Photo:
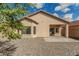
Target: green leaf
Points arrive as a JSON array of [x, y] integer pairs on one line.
[[8, 17]]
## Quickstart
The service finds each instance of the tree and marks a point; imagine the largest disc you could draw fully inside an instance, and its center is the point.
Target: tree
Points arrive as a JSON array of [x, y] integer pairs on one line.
[[8, 19]]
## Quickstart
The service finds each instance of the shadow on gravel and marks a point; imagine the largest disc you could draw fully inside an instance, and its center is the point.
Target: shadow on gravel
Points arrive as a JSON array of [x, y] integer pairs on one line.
[[77, 55], [6, 48], [75, 38]]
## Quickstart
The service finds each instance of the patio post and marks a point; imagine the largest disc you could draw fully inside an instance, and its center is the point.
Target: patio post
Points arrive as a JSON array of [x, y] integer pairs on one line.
[[60, 30], [32, 30], [67, 31], [54, 31]]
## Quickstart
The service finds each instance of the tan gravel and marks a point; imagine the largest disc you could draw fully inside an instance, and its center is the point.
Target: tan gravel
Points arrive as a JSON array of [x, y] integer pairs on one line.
[[39, 47]]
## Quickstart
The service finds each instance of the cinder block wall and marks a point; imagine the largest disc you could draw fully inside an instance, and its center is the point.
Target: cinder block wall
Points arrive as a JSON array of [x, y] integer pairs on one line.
[[73, 31]]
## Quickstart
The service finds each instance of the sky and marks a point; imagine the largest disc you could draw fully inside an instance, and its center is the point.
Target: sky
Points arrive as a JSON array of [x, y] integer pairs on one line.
[[62, 10]]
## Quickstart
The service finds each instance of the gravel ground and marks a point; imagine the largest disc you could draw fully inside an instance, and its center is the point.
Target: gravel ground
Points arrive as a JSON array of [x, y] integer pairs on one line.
[[39, 47]]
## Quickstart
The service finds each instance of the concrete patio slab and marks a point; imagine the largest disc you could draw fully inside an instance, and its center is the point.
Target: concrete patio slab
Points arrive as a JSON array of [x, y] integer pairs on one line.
[[59, 39]]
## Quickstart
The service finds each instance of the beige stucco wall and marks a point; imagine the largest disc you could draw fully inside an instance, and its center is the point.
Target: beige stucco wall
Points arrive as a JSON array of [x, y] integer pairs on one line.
[[26, 22], [44, 22]]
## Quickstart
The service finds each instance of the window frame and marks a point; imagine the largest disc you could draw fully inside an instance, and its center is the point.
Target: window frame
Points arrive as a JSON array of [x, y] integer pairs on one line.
[[57, 30], [34, 29]]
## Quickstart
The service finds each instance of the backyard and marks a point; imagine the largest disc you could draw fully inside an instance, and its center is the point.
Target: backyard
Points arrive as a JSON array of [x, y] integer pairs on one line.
[[10, 28], [40, 47]]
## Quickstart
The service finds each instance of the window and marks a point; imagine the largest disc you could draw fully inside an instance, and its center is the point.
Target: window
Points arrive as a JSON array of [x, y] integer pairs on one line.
[[27, 30], [34, 30]]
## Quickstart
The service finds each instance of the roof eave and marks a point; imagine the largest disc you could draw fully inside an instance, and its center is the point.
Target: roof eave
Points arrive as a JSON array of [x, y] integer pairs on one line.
[[28, 19], [48, 14]]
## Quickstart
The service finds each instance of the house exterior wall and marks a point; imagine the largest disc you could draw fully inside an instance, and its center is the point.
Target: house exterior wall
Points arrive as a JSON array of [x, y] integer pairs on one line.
[[42, 28], [63, 31], [25, 22], [44, 24]]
